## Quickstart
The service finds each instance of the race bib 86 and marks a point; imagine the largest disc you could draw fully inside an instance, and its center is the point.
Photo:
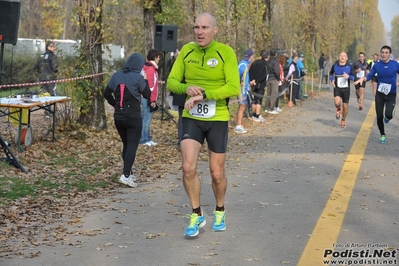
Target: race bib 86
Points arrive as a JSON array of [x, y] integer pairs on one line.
[[205, 109]]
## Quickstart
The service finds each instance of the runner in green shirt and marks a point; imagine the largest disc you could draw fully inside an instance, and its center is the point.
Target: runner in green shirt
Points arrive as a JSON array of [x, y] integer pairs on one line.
[[207, 72]]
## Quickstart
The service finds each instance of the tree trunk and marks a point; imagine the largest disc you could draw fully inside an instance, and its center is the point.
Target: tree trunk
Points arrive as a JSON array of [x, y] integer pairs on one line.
[[233, 27], [268, 21], [149, 28], [67, 34], [92, 111]]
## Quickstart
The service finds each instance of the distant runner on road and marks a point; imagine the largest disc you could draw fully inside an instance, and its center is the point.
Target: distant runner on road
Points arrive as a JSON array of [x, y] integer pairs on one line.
[[340, 75], [360, 68]]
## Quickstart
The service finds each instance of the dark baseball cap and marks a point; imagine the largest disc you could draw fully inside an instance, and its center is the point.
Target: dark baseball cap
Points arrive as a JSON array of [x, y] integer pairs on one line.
[[248, 54]]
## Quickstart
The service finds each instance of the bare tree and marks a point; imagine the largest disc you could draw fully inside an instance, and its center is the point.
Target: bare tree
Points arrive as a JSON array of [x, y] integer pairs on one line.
[[92, 110]]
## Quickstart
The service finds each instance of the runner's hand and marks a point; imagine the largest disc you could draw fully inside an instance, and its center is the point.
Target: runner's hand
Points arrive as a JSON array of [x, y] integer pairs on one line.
[[358, 81], [194, 91], [190, 103]]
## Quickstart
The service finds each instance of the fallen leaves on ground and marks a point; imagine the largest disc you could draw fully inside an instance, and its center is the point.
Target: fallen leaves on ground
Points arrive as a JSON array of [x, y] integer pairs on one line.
[[81, 165], [60, 172]]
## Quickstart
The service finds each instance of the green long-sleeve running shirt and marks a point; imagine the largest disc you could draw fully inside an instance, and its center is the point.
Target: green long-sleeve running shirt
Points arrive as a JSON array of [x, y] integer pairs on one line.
[[214, 69]]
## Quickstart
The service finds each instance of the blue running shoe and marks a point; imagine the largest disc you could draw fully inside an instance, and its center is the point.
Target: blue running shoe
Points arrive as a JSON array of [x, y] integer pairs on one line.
[[196, 222], [383, 139], [386, 120], [218, 221]]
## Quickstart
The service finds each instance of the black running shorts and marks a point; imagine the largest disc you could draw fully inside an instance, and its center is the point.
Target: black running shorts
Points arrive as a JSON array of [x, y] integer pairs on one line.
[[343, 93], [215, 133], [360, 85]]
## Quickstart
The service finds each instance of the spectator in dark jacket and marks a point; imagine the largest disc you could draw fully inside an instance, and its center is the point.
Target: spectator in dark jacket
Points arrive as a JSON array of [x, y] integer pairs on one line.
[[47, 66], [258, 78], [124, 92], [327, 65], [321, 66], [272, 83]]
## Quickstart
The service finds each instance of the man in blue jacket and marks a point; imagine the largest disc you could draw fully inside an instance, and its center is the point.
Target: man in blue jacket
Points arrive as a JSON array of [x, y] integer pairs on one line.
[[243, 67], [300, 67], [340, 75]]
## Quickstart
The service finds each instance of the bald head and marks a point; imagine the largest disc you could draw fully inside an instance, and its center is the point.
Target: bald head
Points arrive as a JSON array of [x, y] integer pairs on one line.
[[205, 29], [208, 17]]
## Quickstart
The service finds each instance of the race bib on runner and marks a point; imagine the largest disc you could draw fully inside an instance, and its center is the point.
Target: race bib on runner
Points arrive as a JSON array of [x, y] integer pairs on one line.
[[204, 109], [342, 82], [360, 74], [384, 88]]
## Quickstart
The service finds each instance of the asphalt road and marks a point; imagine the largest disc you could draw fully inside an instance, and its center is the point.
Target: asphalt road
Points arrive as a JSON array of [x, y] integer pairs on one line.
[[298, 190]]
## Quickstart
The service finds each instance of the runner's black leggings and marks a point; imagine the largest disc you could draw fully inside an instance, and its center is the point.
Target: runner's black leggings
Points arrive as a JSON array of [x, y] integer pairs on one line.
[[130, 132], [381, 100]]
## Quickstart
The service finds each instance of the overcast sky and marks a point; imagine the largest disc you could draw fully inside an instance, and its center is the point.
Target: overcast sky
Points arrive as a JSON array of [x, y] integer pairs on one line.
[[388, 9]]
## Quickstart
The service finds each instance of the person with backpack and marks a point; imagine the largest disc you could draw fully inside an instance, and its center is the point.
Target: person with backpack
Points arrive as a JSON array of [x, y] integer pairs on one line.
[[243, 67], [340, 74]]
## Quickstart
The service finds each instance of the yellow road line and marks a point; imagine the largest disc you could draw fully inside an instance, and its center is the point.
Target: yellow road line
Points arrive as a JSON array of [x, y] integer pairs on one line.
[[330, 221]]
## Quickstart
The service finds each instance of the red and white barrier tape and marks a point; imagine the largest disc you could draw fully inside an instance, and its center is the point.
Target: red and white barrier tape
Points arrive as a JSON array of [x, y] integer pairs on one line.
[[50, 81]]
